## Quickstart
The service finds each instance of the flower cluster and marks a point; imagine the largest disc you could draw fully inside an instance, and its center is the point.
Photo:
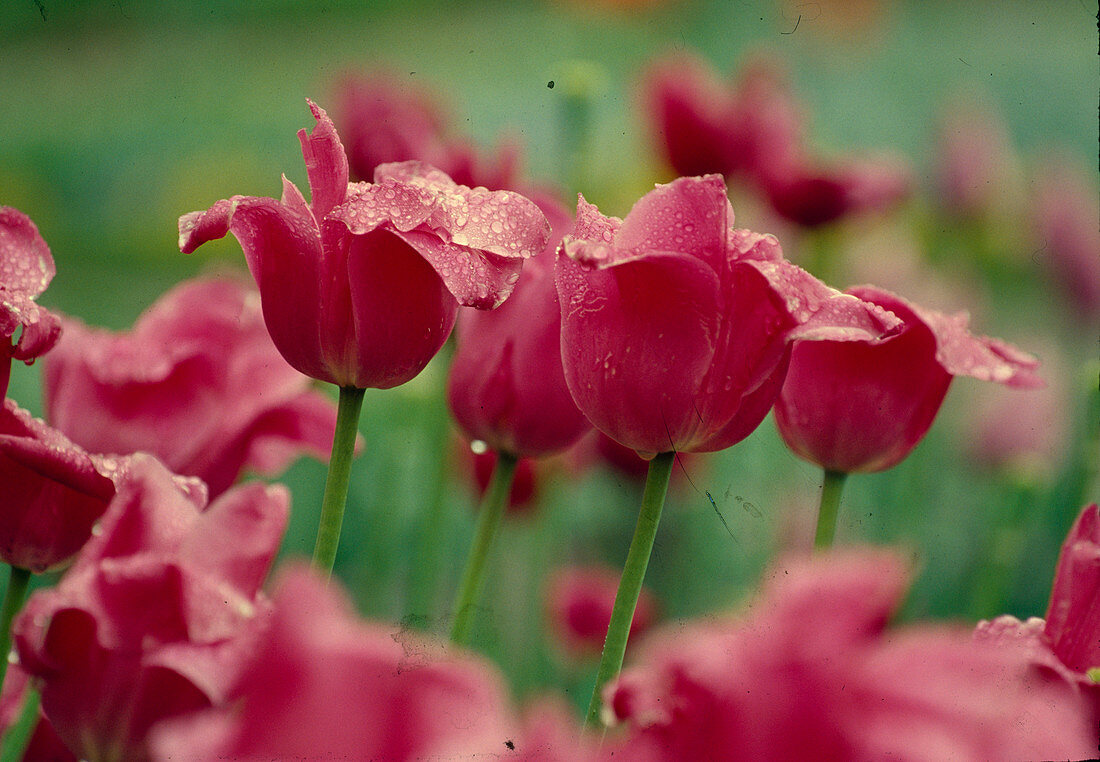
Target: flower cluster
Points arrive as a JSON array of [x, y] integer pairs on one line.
[[667, 332]]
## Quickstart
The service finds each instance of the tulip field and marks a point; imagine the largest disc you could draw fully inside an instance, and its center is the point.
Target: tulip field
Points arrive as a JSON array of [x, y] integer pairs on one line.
[[571, 381]]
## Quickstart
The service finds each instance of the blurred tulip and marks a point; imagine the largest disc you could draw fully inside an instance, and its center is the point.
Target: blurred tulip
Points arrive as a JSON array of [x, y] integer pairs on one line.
[[811, 667], [578, 608], [44, 744], [360, 287], [197, 382], [676, 326], [506, 385], [1066, 214], [863, 406], [524, 489], [53, 491], [156, 615], [384, 119], [26, 268], [324, 685]]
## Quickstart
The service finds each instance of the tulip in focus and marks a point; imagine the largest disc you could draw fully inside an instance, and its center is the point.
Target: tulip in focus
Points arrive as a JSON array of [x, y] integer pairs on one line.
[[360, 286], [197, 382], [156, 615], [863, 406], [810, 669], [676, 326], [53, 491], [506, 385], [26, 268]]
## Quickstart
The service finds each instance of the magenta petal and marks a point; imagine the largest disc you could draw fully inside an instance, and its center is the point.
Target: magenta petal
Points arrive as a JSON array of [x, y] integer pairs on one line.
[[636, 339], [326, 163], [26, 265], [41, 328], [306, 422], [476, 279], [1073, 617], [397, 330], [690, 214]]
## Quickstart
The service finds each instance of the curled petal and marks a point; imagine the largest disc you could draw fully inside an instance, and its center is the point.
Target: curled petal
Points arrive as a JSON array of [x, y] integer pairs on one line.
[[26, 265], [326, 163]]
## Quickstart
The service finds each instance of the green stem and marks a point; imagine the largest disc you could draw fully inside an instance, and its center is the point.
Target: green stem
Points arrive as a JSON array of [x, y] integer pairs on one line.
[[18, 735], [630, 584], [830, 503], [13, 601], [336, 484], [489, 517]]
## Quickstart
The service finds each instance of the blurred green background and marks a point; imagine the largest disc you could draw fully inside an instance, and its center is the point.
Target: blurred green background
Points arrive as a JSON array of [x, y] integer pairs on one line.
[[116, 117]]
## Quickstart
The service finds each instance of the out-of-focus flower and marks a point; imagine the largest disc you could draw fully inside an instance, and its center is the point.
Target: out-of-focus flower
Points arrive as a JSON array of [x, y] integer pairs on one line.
[[26, 268], [197, 382], [386, 119], [44, 744], [863, 406], [754, 130], [524, 487], [506, 385], [324, 685], [1067, 644], [703, 125], [1066, 210], [156, 615], [579, 600], [53, 491], [977, 170], [360, 287], [676, 326], [811, 667], [1024, 431]]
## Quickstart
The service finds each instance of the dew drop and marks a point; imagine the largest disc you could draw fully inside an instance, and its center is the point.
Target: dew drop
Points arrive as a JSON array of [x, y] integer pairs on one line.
[[497, 226], [478, 447]]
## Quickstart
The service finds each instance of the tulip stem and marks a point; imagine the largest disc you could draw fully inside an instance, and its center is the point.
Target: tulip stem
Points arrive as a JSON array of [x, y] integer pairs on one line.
[[336, 483], [831, 488], [18, 735], [630, 584], [489, 517], [13, 601]]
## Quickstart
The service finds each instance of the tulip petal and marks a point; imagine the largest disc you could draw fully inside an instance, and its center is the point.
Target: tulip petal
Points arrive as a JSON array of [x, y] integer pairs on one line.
[[690, 214], [326, 163], [636, 339], [1073, 617], [26, 265]]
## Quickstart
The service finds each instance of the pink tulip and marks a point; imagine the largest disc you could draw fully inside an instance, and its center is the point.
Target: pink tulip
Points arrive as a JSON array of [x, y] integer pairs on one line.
[[1067, 644], [506, 385], [811, 669], [53, 491], [360, 287], [26, 268], [676, 326], [157, 614], [43, 745], [858, 406], [385, 119], [578, 608], [324, 685], [197, 382]]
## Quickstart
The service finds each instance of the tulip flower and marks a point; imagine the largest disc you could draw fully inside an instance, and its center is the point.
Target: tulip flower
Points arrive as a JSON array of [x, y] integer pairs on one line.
[[864, 406], [507, 389], [54, 491], [676, 332], [157, 614], [578, 608], [384, 119], [26, 268], [197, 382], [1066, 643], [361, 285], [811, 668], [324, 685], [41, 741]]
